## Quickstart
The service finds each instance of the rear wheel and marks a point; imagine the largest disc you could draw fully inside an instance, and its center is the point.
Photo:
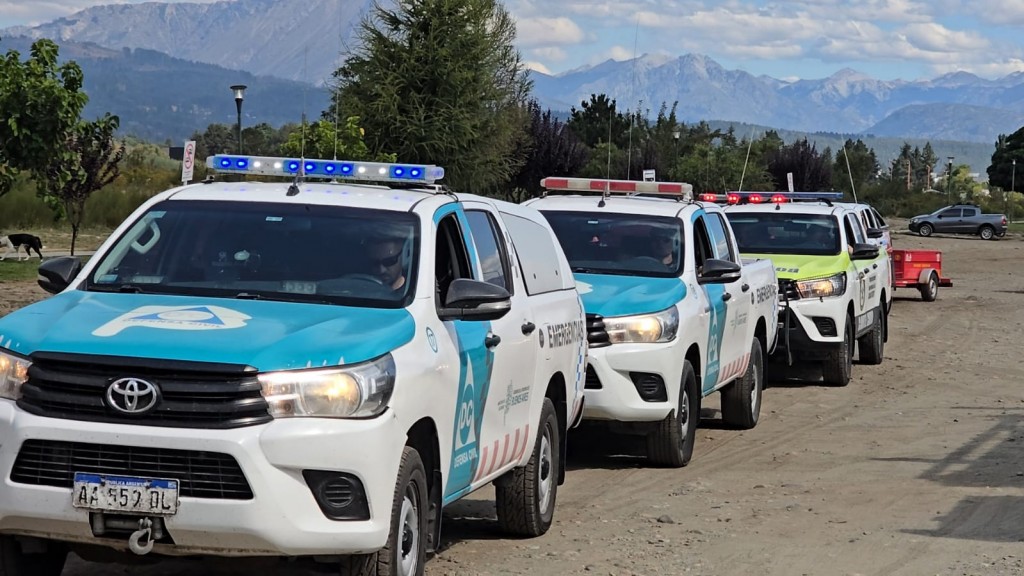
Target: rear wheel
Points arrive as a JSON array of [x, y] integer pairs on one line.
[[22, 558], [671, 442], [838, 366], [930, 289], [406, 549], [925, 230], [987, 232], [741, 400], [526, 504], [872, 344]]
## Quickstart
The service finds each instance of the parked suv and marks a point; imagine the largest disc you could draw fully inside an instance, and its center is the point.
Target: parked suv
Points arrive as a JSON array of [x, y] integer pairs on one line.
[[960, 219], [290, 369]]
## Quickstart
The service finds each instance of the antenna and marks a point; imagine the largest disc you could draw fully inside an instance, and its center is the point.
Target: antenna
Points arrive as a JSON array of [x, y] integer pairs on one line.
[[337, 95], [300, 174], [632, 117], [747, 159], [848, 171], [608, 170]]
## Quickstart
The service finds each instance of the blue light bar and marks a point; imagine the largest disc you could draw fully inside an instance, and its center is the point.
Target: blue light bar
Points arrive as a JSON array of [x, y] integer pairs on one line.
[[325, 169]]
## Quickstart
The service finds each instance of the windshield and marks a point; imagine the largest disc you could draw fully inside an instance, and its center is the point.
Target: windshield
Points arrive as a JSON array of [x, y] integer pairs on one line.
[[625, 244], [782, 233], [288, 252]]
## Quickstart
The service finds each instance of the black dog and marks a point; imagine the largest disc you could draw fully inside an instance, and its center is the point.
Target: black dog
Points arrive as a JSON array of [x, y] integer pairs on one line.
[[14, 242]]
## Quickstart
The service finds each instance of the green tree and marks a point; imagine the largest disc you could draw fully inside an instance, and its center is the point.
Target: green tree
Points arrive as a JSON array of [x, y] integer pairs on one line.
[[862, 163], [40, 104], [96, 157], [812, 171], [1008, 149], [554, 151], [440, 82], [321, 140], [598, 121]]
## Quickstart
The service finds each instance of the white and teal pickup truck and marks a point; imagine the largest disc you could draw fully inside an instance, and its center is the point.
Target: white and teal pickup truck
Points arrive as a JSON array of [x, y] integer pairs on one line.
[[673, 313]]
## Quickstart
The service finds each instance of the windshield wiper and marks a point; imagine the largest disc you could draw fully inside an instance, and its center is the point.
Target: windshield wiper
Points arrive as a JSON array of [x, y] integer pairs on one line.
[[125, 288], [248, 296]]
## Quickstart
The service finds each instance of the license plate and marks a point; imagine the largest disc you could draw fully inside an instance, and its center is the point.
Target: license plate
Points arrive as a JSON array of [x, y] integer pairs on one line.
[[125, 494]]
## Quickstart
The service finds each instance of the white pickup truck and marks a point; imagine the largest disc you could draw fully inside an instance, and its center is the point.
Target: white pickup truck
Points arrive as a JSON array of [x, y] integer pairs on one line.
[[673, 313]]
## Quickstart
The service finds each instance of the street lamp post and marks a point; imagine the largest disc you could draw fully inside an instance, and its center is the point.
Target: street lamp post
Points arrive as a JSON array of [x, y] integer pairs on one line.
[[239, 90], [1013, 185], [949, 179]]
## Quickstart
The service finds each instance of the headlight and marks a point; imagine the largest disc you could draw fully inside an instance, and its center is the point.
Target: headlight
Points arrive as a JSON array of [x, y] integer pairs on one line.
[[834, 285], [350, 392], [649, 328], [13, 373]]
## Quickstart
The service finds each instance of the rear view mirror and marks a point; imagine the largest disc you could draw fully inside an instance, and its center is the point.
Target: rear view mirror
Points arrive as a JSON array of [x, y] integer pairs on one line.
[[717, 271], [56, 274], [475, 300], [876, 233]]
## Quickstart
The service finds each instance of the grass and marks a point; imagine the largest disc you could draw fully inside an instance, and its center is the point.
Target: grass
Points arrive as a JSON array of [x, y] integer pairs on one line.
[[55, 238], [12, 271], [1015, 227]]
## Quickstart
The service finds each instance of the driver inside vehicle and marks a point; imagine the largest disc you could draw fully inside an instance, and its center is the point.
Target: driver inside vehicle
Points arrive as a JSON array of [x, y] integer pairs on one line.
[[663, 245], [385, 255]]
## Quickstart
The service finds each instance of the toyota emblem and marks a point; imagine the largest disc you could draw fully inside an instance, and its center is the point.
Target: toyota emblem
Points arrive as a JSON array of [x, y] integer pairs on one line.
[[132, 396]]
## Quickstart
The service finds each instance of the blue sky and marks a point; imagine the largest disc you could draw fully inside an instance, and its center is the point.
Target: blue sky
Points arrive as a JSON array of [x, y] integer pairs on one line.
[[886, 39]]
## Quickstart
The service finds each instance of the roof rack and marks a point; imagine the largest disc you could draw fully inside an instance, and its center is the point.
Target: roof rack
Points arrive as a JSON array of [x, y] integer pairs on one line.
[[305, 168]]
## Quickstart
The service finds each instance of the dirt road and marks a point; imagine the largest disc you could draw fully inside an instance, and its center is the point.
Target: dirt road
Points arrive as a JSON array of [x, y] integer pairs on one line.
[[915, 468]]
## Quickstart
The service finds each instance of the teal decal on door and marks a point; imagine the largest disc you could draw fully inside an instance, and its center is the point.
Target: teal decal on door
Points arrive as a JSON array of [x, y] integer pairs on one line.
[[716, 330], [475, 364]]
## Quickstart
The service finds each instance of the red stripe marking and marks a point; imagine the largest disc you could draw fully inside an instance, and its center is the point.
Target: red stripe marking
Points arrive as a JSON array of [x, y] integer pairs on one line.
[[526, 441], [494, 458], [504, 453], [515, 447], [483, 463]]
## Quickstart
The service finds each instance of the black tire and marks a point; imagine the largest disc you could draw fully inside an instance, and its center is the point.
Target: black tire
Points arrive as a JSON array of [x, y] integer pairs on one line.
[[406, 551], [671, 442], [741, 400], [14, 561], [838, 366], [930, 289], [871, 346], [526, 503], [987, 232], [925, 229]]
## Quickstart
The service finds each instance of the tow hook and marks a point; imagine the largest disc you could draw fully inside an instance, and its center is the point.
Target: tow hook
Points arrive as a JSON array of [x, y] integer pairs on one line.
[[141, 541]]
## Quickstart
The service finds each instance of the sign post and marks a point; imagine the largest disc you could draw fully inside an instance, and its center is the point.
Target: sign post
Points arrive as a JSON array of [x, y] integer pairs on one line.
[[649, 175], [188, 161]]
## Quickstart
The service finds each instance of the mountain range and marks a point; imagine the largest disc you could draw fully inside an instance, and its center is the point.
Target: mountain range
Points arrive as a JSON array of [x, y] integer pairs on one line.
[[186, 54]]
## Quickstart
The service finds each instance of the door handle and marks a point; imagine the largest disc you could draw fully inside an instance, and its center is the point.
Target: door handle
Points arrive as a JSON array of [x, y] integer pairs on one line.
[[528, 327], [492, 340], [746, 287], [726, 297]]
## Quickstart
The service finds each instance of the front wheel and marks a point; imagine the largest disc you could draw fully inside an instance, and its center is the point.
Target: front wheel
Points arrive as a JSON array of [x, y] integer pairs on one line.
[[406, 550], [741, 400], [526, 503], [671, 442], [838, 365], [872, 344], [925, 230], [17, 560]]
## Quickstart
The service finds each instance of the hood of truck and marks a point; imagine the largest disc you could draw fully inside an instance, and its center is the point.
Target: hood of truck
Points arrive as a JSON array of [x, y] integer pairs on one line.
[[613, 295], [263, 334], [801, 267]]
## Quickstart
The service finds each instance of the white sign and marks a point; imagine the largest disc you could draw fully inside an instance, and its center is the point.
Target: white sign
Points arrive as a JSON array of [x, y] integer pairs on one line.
[[789, 179], [175, 318], [648, 175], [188, 161]]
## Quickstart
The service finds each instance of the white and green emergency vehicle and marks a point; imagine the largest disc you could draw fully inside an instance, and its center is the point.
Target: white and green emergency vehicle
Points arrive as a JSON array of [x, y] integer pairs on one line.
[[835, 287]]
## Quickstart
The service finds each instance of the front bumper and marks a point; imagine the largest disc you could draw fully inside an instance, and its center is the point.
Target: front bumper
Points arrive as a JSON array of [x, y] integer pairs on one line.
[[281, 519], [810, 329], [617, 368]]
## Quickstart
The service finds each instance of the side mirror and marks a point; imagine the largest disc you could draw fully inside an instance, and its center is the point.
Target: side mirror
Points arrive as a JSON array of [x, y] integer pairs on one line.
[[719, 272], [57, 273], [475, 300], [864, 252], [876, 233]]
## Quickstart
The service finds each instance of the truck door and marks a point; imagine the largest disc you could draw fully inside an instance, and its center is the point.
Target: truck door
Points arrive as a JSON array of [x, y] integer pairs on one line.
[[949, 220], [507, 411], [718, 298], [736, 296], [866, 280]]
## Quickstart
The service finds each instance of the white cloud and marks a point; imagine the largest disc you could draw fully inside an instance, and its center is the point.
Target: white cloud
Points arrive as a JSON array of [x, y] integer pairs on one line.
[[549, 54], [547, 31], [538, 67]]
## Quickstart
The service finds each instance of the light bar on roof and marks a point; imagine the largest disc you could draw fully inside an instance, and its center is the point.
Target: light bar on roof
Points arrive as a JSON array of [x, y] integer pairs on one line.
[[616, 186], [326, 169], [769, 197]]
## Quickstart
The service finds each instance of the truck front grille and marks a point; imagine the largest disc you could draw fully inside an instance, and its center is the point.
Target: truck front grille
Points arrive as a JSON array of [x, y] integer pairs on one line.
[[191, 394], [787, 290], [596, 334], [200, 474]]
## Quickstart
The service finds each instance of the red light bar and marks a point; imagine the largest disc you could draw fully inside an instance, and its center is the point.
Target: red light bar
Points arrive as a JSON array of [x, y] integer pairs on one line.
[[779, 198], [617, 186], [755, 199], [709, 197], [732, 198]]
